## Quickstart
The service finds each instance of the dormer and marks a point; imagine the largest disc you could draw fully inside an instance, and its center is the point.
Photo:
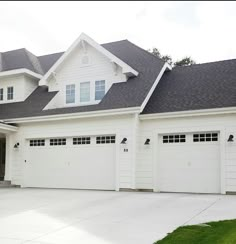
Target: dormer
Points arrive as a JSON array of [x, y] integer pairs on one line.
[[84, 74], [17, 85]]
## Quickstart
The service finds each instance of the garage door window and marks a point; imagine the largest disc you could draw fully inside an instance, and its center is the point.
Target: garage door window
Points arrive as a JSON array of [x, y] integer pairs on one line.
[[205, 137], [57, 142], [105, 139], [37, 143], [81, 140], [174, 138]]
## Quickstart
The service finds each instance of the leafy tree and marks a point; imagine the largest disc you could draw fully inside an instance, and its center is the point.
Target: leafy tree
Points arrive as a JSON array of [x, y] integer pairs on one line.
[[186, 61], [156, 52]]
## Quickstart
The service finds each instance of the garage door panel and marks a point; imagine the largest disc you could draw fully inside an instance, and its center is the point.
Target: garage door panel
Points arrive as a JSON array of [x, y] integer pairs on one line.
[[71, 166], [189, 166]]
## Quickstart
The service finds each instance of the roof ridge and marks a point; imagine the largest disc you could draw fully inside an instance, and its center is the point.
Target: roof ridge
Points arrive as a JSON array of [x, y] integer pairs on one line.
[[23, 48], [210, 62], [49, 54], [34, 62], [114, 42]]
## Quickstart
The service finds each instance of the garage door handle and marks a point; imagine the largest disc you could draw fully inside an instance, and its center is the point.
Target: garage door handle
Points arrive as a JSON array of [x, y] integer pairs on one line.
[[25, 161]]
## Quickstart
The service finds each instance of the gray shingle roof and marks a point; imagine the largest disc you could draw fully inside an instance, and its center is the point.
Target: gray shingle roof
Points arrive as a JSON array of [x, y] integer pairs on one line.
[[18, 59], [47, 61], [121, 95], [200, 86]]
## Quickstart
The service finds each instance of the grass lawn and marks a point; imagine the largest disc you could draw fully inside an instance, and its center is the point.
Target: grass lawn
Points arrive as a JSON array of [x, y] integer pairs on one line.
[[222, 232]]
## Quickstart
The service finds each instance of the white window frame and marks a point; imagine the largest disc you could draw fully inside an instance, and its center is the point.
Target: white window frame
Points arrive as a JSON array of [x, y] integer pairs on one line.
[[99, 86], [70, 91], [1, 94], [10, 93], [81, 92]]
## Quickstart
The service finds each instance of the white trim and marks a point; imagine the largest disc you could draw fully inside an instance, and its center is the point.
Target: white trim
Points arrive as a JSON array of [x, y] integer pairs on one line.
[[220, 129], [165, 66], [7, 128], [126, 69], [111, 112], [190, 113], [20, 71]]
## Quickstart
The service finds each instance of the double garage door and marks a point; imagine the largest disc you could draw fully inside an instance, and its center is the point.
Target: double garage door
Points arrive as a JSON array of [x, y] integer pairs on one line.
[[75, 162], [189, 162]]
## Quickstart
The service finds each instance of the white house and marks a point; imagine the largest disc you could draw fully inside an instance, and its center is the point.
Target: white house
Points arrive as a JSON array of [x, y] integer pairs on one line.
[[114, 116]]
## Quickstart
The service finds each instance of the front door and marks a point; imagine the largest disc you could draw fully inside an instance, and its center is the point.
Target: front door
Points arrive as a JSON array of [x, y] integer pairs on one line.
[[2, 157]]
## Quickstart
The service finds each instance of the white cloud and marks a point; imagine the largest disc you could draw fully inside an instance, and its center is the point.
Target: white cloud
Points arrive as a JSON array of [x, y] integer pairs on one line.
[[203, 30]]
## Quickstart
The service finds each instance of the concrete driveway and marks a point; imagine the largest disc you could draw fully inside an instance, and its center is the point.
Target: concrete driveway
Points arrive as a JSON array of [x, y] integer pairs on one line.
[[72, 216]]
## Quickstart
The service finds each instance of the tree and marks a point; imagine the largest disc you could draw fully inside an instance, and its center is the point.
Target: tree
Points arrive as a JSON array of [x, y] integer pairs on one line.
[[167, 58], [186, 61], [155, 52]]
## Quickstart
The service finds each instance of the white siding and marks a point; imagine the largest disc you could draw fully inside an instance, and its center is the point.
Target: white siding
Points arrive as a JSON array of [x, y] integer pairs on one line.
[[72, 72], [23, 87], [145, 165], [121, 126], [140, 159]]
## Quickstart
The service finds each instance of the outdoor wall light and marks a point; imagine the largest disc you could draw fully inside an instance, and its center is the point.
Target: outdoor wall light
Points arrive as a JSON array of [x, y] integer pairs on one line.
[[231, 138], [124, 140], [147, 142], [17, 145]]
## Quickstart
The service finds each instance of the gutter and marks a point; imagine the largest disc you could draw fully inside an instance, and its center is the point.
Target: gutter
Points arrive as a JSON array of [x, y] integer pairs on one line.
[[190, 113], [20, 71], [93, 114]]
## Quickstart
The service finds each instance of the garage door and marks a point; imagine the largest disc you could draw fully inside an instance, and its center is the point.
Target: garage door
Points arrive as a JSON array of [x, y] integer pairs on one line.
[[189, 162], [79, 162]]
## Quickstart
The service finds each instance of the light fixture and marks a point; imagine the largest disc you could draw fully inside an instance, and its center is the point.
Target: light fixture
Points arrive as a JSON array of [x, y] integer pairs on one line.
[[17, 145], [124, 140], [147, 142], [231, 138]]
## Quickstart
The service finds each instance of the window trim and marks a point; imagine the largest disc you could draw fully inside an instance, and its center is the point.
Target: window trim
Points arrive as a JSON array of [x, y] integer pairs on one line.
[[95, 91], [105, 139], [57, 142], [205, 137], [1, 94], [10, 95], [37, 142], [173, 138], [89, 91], [70, 92], [81, 140]]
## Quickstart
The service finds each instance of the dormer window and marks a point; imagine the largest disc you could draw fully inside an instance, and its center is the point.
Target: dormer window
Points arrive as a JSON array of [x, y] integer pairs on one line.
[[10, 93], [1, 94], [70, 94], [84, 91], [99, 89]]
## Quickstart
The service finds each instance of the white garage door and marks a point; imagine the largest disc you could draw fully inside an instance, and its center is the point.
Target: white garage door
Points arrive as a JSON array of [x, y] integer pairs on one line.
[[79, 162], [189, 162]]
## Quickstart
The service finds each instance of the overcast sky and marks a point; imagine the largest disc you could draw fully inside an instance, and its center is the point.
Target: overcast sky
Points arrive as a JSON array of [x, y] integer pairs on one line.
[[206, 31]]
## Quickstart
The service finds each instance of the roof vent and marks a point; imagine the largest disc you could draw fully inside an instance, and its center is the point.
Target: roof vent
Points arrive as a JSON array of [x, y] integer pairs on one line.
[[85, 60]]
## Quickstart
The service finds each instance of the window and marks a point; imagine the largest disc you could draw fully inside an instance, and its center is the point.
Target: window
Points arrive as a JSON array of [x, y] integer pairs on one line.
[[1, 94], [99, 89], [202, 137], [81, 140], [70, 94], [174, 138], [37, 143], [105, 139], [85, 91], [10, 93], [57, 142]]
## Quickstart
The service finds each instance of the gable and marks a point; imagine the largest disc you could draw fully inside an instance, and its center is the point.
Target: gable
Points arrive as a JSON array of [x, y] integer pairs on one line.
[[83, 41], [83, 66]]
